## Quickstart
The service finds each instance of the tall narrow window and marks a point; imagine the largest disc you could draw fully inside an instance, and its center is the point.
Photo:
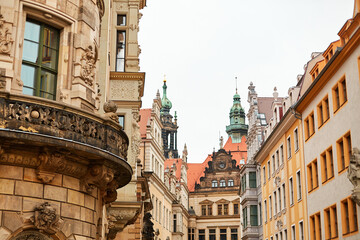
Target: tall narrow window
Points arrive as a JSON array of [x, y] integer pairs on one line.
[[234, 234], [226, 209], [343, 147], [245, 217], [288, 147], [201, 234], [275, 203], [279, 196], [222, 183], [175, 223], [323, 111], [296, 139], [270, 207], [291, 189], [277, 157], [301, 230], [281, 154], [203, 210], [348, 216], [293, 232], [327, 165], [284, 196], [265, 211], [212, 234], [40, 60], [214, 183], [264, 175], [236, 208], [268, 166], [273, 163], [298, 180], [331, 223], [309, 125], [222, 233], [253, 215], [260, 214], [339, 94], [220, 212], [120, 50], [230, 183], [312, 173], [315, 227], [252, 179]]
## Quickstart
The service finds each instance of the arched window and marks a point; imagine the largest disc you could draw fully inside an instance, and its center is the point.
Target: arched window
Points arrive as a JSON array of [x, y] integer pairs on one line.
[[214, 183], [231, 183], [222, 183]]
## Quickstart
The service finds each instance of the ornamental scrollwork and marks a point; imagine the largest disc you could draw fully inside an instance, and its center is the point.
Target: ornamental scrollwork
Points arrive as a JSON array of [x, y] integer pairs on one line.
[[5, 37], [88, 65]]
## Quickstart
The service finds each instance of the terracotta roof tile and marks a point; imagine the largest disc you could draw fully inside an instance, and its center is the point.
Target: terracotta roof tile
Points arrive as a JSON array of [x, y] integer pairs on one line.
[[178, 162], [145, 114]]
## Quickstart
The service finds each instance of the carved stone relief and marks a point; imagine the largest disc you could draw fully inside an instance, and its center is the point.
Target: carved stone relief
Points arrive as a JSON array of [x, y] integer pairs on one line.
[[46, 219], [88, 65], [136, 137], [354, 174], [119, 218], [6, 40], [124, 90]]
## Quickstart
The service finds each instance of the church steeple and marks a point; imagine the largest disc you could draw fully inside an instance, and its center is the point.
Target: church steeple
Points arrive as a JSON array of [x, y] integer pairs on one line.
[[237, 127], [169, 130], [165, 102]]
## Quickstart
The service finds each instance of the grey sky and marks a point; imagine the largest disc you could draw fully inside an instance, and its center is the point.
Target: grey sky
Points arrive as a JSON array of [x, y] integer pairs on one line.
[[201, 45]]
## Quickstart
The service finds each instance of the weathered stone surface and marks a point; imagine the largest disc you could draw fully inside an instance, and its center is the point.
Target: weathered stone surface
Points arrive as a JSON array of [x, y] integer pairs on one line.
[[70, 182], [30, 175], [86, 229], [8, 202], [12, 221], [71, 226], [29, 189], [89, 202], [7, 186], [70, 211], [29, 204], [87, 215], [4, 233], [75, 197], [12, 172], [55, 193]]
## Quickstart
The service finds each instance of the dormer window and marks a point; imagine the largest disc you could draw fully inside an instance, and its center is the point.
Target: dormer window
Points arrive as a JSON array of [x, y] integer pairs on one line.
[[214, 183]]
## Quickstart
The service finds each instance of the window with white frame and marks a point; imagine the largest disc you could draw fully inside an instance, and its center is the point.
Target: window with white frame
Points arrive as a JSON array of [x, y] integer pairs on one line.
[[298, 180], [288, 141], [296, 139], [291, 189]]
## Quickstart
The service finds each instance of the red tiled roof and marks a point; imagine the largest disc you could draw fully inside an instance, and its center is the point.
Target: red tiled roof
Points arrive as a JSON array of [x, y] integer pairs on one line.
[[178, 162], [196, 170], [145, 114]]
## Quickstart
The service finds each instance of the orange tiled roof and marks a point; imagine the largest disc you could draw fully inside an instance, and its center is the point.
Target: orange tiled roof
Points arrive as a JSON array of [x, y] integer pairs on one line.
[[178, 162], [196, 170], [145, 114]]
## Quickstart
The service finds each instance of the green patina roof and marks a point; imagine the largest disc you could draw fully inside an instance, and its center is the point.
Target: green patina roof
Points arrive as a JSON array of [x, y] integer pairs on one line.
[[165, 102]]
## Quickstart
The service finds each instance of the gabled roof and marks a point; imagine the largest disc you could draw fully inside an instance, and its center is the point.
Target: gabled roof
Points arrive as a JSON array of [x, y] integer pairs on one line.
[[196, 170], [145, 114]]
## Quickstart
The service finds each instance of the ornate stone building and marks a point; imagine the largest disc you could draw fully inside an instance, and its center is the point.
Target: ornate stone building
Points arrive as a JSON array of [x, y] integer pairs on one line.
[[214, 185], [167, 177], [63, 152]]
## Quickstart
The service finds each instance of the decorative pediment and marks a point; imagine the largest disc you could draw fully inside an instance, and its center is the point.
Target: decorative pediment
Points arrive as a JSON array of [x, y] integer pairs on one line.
[[206, 202], [222, 201], [237, 200]]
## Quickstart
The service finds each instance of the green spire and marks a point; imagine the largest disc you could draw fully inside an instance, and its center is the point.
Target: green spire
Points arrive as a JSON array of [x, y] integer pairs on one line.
[[165, 102], [237, 127]]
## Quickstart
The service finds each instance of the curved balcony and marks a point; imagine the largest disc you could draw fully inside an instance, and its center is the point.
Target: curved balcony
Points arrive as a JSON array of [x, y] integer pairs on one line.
[[57, 138]]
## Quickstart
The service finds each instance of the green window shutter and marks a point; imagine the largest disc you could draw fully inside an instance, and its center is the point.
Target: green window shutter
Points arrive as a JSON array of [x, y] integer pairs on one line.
[[253, 215], [252, 179]]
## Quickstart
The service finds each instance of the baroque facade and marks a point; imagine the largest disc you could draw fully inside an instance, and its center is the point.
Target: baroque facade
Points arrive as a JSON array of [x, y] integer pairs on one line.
[[64, 154], [214, 184], [167, 176]]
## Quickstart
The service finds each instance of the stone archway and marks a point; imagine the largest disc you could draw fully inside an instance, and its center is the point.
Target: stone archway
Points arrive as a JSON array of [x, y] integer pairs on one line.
[[31, 235]]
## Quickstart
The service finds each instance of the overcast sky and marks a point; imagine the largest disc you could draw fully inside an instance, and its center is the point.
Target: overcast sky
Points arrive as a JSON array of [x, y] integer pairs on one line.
[[202, 45]]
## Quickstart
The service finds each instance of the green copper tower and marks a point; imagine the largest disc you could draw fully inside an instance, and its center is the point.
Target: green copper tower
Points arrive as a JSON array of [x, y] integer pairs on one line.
[[237, 127], [169, 130]]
